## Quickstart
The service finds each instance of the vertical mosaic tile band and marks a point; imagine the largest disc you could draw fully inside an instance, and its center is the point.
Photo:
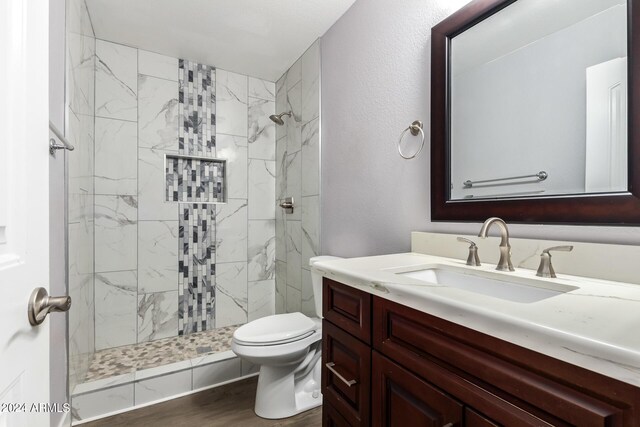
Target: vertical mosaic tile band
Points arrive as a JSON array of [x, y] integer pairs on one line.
[[195, 180], [196, 108], [196, 290], [190, 180]]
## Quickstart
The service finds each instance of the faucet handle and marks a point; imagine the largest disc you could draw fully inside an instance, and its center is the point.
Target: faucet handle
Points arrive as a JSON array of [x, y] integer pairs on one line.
[[465, 240], [473, 259], [545, 269], [558, 248]]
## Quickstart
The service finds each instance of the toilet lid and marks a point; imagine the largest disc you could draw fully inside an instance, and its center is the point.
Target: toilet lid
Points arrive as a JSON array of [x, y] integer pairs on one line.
[[276, 329]]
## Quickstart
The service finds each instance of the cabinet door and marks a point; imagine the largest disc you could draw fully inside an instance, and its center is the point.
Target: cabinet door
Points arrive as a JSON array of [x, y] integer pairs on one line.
[[474, 419], [346, 374], [332, 418], [401, 399]]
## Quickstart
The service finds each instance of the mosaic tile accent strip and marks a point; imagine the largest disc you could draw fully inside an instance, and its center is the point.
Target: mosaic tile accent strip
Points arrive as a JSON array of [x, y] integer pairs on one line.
[[196, 108], [195, 180], [123, 360], [196, 266]]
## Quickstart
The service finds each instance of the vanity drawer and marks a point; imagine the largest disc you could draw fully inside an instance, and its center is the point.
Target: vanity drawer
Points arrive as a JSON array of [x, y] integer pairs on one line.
[[503, 381], [399, 398], [346, 374], [347, 308]]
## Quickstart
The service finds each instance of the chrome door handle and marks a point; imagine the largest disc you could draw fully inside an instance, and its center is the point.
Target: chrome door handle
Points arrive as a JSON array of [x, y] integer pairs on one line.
[[41, 304], [349, 383]]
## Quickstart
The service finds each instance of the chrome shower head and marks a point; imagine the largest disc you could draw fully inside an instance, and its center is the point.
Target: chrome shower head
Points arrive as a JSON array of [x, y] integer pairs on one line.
[[277, 118]]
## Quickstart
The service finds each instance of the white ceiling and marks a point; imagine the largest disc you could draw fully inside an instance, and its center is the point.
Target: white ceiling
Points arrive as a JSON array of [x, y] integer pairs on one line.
[[260, 38]]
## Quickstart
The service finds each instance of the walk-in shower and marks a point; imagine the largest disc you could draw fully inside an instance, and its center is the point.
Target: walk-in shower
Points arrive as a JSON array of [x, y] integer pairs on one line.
[[175, 234]]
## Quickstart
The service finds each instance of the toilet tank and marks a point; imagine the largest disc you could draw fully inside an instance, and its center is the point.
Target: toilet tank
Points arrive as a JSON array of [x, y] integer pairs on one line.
[[316, 282]]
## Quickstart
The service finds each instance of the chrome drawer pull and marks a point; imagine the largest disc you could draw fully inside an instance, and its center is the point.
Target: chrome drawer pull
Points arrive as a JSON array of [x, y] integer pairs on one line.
[[349, 383]]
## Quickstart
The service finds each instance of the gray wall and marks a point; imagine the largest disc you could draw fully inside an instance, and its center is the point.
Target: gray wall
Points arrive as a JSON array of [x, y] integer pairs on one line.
[[57, 220], [375, 81]]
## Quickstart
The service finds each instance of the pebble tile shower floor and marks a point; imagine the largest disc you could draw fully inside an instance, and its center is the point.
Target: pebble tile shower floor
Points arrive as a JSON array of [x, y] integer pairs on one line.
[[123, 360]]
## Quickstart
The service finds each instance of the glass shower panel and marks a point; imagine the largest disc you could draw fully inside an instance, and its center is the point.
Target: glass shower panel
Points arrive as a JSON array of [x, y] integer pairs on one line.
[[80, 118]]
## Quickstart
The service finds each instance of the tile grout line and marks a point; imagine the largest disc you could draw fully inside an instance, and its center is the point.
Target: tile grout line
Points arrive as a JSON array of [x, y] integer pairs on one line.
[[93, 183], [247, 177], [137, 314], [214, 309]]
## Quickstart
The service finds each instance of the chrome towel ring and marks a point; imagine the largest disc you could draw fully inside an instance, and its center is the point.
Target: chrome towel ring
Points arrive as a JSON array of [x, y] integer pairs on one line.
[[415, 128]]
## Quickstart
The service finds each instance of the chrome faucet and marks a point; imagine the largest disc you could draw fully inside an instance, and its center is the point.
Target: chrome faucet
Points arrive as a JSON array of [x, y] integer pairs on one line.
[[473, 259], [545, 269], [505, 248]]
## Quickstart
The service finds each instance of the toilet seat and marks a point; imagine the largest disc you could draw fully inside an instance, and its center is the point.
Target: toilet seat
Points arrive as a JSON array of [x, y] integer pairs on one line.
[[274, 330]]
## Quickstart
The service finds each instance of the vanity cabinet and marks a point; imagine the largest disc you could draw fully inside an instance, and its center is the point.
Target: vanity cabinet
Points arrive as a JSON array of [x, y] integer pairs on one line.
[[346, 353], [347, 308], [413, 369], [332, 418], [400, 398], [346, 375]]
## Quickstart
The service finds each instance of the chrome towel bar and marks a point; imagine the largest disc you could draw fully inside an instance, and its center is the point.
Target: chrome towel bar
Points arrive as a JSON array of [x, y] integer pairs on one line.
[[517, 194], [542, 175], [53, 145]]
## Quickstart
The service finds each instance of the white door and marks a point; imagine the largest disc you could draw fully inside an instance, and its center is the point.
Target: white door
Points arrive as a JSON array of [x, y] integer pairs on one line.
[[606, 162], [24, 205]]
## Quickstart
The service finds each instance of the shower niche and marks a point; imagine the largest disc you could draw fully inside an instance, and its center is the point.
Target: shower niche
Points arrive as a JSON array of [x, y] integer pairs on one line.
[[195, 179]]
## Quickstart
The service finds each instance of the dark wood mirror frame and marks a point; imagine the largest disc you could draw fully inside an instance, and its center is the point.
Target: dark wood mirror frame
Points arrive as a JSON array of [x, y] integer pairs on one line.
[[611, 209]]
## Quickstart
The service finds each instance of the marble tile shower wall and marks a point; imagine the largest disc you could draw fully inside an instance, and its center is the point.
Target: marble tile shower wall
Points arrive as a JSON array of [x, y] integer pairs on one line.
[[245, 226], [298, 176], [80, 84], [137, 231]]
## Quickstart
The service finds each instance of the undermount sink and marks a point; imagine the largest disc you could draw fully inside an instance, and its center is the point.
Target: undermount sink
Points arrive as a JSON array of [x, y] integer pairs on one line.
[[497, 285]]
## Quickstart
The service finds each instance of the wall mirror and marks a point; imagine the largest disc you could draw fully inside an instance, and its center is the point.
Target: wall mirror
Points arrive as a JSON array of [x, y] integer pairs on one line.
[[532, 112]]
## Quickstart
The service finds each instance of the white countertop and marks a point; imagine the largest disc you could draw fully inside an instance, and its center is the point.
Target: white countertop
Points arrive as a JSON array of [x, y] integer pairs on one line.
[[596, 326]]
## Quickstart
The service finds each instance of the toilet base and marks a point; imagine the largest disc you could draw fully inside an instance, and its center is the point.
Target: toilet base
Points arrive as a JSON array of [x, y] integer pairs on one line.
[[281, 395]]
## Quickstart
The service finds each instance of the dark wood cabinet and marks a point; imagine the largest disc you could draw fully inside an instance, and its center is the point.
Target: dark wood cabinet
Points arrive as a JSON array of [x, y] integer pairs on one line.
[[422, 370], [474, 419], [347, 308], [346, 374], [332, 418], [399, 398]]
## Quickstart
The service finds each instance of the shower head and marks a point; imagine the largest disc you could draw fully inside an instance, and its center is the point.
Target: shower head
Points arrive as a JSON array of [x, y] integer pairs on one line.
[[277, 118]]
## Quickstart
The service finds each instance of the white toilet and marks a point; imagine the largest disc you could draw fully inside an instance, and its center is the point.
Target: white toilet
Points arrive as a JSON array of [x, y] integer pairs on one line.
[[288, 348]]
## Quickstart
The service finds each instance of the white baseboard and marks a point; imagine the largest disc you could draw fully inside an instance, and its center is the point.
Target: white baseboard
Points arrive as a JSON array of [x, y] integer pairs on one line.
[[155, 402]]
